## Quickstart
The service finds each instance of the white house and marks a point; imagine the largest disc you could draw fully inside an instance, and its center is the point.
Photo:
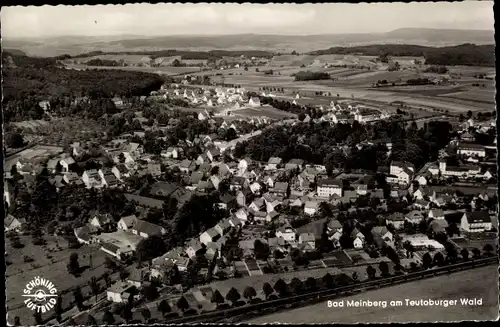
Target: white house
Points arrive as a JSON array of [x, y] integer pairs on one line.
[[308, 238], [476, 222], [12, 224], [328, 187], [396, 219], [401, 173], [414, 217], [436, 214], [91, 178], [127, 222], [209, 235], [65, 163], [358, 243], [311, 208], [254, 102], [287, 233], [119, 292], [193, 248], [471, 149], [273, 163]]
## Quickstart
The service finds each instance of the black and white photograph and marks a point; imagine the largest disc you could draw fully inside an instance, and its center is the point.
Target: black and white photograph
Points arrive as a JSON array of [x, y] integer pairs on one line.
[[243, 163]]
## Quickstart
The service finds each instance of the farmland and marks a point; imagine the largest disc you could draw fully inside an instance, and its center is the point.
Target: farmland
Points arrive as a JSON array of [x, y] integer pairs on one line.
[[475, 283], [156, 70]]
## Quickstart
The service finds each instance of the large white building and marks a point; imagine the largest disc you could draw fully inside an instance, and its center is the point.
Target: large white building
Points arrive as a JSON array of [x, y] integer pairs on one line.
[[401, 173], [471, 149], [476, 222], [328, 187]]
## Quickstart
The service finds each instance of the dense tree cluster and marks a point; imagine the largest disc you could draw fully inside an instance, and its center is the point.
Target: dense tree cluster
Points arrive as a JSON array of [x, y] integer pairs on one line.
[[437, 69], [419, 81], [318, 143], [27, 81], [465, 54], [311, 76], [103, 62]]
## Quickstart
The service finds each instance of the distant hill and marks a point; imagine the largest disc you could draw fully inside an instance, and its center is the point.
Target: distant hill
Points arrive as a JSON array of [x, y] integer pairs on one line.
[[74, 45]]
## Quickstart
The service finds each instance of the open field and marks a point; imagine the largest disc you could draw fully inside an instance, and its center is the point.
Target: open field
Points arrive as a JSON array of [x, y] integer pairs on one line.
[[50, 262], [38, 152], [478, 283], [266, 111]]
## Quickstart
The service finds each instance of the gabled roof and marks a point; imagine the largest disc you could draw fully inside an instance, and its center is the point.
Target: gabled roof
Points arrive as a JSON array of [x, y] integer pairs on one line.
[[329, 182], [477, 217], [380, 230], [307, 237], [396, 216], [129, 220], [437, 212], [147, 228], [195, 244], [212, 232], [226, 198], [274, 160]]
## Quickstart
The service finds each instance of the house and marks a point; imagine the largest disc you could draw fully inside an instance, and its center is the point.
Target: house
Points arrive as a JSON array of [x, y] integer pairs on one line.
[[436, 214], [311, 208], [295, 164], [280, 189], [120, 171], [467, 137], [308, 238], [424, 191], [471, 149], [52, 165], [358, 243], [202, 158], [438, 226], [91, 178], [119, 292], [227, 201], [382, 232], [101, 222], [396, 219], [194, 248], [204, 186], [243, 196], [146, 229], [241, 215], [237, 183], [234, 222], [117, 101], [269, 181], [258, 204], [187, 166], [109, 180], [254, 102], [414, 217], [400, 173], [171, 152], [421, 204], [244, 164], [328, 187], [210, 235], [163, 189], [223, 227], [256, 187], [84, 234], [127, 222], [286, 233], [213, 154], [273, 163], [476, 222], [72, 178], [334, 226], [66, 163], [11, 223], [8, 192]]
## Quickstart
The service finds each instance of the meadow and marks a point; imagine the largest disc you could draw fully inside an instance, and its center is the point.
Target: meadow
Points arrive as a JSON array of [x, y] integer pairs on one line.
[[478, 283]]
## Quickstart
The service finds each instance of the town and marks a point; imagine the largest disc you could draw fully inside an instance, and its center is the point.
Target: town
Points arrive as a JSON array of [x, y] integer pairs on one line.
[[186, 196]]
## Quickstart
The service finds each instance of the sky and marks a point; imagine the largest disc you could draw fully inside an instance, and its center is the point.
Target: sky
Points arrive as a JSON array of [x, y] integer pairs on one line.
[[209, 19]]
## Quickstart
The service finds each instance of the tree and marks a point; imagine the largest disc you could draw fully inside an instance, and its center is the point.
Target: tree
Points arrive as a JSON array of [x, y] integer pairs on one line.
[[384, 269], [146, 314], [355, 276], [58, 309], [427, 260], [233, 295], [77, 294], [439, 259], [91, 321], [94, 287], [465, 254], [488, 248], [249, 293], [107, 279], [150, 248], [281, 287], [311, 284], [301, 116], [38, 318], [182, 304], [121, 158], [261, 250], [267, 289], [297, 286], [126, 313], [14, 140], [150, 292], [108, 318], [17, 321], [371, 272], [328, 280], [164, 307], [73, 265], [217, 298]]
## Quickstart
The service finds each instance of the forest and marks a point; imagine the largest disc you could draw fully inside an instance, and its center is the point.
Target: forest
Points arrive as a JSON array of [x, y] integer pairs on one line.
[[320, 143], [27, 81], [464, 54]]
